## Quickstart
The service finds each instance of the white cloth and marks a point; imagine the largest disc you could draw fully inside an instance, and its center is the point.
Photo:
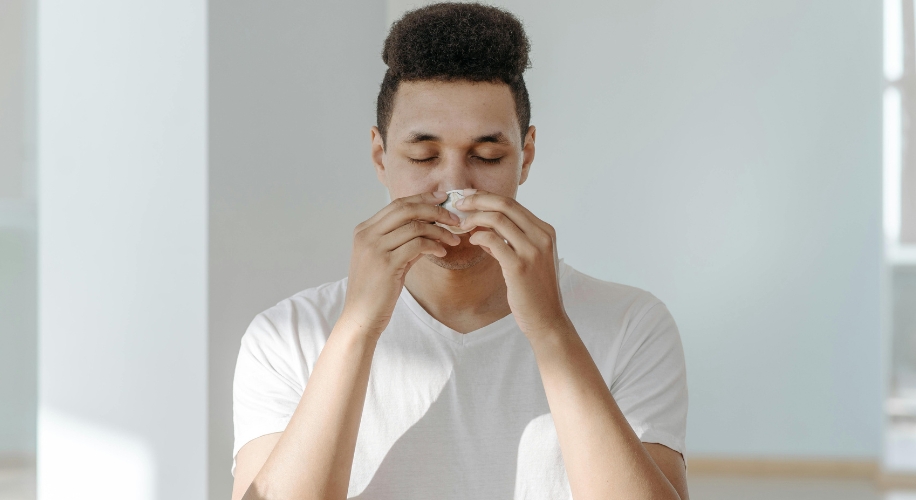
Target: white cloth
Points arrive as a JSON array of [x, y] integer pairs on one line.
[[465, 416]]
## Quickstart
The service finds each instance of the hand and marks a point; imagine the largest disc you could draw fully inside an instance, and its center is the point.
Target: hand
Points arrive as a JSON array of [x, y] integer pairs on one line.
[[526, 249], [384, 249]]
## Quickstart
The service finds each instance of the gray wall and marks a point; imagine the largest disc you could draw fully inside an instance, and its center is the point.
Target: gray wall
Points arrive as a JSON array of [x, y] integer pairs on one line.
[[292, 97], [18, 391], [18, 275], [726, 156], [903, 321]]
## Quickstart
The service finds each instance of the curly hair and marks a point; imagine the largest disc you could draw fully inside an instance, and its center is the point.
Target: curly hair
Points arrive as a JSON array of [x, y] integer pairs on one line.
[[456, 41]]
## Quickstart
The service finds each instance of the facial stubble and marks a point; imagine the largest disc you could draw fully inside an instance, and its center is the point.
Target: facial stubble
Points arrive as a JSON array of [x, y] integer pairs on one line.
[[463, 256]]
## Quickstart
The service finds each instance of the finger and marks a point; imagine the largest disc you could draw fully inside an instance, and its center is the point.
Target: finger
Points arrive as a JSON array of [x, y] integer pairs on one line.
[[502, 225], [489, 202], [406, 211], [495, 246], [422, 198], [416, 247], [411, 263], [413, 229]]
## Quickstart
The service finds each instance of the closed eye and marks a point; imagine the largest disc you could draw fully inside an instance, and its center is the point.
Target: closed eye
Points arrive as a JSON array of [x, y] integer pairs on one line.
[[491, 161], [422, 160]]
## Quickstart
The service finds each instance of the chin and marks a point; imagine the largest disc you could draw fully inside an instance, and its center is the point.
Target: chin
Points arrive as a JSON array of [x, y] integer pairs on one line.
[[460, 257]]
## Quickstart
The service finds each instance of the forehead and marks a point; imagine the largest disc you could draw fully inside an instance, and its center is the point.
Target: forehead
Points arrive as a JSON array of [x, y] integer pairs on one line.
[[453, 109]]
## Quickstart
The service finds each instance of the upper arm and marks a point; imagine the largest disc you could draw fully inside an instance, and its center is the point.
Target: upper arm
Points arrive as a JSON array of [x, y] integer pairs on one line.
[[650, 386], [672, 466], [266, 391], [249, 461]]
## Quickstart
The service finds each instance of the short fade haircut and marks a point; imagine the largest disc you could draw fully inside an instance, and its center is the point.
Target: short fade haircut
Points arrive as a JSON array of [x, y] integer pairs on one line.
[[452, 42]]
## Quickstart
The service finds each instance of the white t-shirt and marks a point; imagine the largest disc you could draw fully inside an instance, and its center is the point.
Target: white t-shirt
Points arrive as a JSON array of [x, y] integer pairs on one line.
[[465, 416]]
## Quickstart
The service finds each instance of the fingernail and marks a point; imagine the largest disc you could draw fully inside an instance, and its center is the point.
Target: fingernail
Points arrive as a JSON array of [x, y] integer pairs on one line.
[[454, 217], [438, 194], [459, 202], [469, 191]]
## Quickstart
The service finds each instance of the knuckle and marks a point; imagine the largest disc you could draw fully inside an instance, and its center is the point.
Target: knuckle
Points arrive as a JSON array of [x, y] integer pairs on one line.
[[551, 241], [400, 204], [548, 246], [504, 203], [416, 226], [545, 240]]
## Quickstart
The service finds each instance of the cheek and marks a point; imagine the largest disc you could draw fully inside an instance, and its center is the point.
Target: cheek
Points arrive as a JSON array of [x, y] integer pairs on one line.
[[502, 181], [408, 180]]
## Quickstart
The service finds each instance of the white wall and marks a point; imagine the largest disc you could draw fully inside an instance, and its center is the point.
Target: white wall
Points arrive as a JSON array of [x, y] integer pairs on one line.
[[292, 98], [726, 156], [122, 259]]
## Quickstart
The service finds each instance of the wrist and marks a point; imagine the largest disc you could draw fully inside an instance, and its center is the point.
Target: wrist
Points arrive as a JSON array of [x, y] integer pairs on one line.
[[352, 325], [557, 328]]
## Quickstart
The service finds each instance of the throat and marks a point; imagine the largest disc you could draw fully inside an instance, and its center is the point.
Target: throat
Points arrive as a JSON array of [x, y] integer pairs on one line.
[[464, 300]]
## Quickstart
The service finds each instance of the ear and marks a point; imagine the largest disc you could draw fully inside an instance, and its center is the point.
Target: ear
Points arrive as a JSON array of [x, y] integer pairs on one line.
[[378, 155], [527, 154]]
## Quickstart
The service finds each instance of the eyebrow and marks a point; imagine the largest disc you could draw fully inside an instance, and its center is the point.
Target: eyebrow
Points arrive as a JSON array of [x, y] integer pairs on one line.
[[421, 137], [497, 137]]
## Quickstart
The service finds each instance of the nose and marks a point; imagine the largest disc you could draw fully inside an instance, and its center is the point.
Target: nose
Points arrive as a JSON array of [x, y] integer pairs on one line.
[[454, 173]]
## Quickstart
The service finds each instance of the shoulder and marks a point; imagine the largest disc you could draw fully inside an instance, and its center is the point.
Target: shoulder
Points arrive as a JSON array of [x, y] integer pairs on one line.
[[587, 296], [324, 300], [615, 321], [301, 322]]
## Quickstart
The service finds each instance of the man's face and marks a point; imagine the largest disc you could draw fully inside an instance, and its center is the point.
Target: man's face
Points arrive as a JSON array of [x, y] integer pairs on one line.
[[453, 135]]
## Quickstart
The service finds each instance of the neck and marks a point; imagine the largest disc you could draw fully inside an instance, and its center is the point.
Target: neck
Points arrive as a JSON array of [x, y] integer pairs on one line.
[[465, 299]]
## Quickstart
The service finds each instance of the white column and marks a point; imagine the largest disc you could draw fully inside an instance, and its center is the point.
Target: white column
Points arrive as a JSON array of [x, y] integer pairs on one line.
[[122, 156]]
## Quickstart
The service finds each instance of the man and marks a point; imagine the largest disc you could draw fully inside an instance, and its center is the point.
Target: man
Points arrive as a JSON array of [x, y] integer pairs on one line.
[[459, 367]]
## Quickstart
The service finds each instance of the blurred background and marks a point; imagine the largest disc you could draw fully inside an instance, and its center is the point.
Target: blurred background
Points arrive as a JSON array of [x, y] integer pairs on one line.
[[169, 169]]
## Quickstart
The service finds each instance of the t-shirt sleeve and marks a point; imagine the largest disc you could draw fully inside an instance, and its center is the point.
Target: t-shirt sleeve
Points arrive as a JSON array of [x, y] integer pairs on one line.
[[267, 385], [651, 383]]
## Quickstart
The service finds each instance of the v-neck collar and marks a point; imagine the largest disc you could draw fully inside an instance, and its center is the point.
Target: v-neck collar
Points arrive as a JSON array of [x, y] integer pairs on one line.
[[502, 325], [505, 324]]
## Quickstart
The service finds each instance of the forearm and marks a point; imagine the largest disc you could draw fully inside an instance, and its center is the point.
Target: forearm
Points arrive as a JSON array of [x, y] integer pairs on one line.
[[314, 456], [604, 458]]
